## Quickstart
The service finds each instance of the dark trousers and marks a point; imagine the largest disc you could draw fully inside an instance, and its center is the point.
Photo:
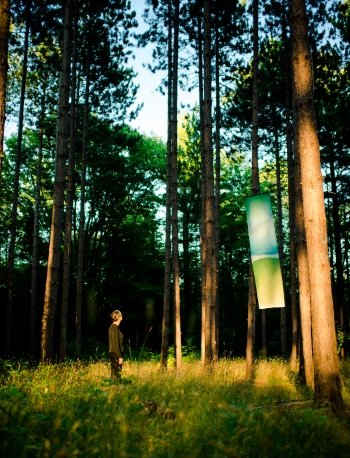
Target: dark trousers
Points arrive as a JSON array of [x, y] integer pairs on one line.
[[116, 368]]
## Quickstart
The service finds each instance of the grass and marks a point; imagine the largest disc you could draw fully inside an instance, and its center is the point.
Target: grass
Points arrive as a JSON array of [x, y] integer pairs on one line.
[[74, 410]]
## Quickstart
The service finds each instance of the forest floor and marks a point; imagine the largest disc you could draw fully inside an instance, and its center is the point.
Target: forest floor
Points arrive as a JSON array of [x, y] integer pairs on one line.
[[74, 409]]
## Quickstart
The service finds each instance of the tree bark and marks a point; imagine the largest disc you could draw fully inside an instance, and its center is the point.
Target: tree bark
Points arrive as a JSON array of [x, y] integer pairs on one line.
[[35, 253], [81, 243], [217, 182], [167, 261], [263, 351], [326, 364], [208, 252], [252, 300], [52, 276], [306, 369], [67, 258], [251, 321], [291, 198], [280, 240], [203, 190], [174, 210], [187, 301]]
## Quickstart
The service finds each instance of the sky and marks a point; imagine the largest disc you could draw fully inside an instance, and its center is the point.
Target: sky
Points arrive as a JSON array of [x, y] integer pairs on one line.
[[152, 119]]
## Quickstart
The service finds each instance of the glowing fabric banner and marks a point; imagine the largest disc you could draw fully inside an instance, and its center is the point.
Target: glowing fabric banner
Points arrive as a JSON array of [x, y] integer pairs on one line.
[[264, 251]]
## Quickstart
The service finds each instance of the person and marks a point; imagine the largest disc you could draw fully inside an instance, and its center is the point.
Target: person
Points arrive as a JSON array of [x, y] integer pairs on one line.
[[115, 340]]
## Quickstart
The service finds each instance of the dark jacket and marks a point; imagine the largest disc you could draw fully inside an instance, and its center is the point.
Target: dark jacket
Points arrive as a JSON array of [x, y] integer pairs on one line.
[[115, 338]]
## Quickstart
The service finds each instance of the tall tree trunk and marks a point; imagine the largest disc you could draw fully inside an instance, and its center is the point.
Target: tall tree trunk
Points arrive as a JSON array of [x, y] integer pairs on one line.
[[251, 321], [174, 209], [81, 232], [292, 267], [4, 39], [67, 258], [217, 182], [167, 261], [263, 351], [291, 197], [52, 277], [326, 364], [35, 254], [202, 233], [306, 369], [208, 251], [13, 230], [280, 239], [252, 300]]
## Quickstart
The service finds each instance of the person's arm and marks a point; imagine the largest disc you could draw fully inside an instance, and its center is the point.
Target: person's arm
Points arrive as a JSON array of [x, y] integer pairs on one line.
[[120, 345]]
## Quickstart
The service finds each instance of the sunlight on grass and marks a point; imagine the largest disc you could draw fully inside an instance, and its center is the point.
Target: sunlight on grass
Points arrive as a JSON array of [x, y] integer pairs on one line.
[[74, 409], [345, 377]]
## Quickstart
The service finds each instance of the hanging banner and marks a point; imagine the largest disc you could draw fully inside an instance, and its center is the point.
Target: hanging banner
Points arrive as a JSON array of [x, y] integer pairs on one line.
[[264, 251]]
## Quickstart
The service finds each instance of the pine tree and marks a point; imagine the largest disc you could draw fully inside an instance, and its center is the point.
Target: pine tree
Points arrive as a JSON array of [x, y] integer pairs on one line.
[[252, 300], [208, 247], [326, 364], [52, 276]]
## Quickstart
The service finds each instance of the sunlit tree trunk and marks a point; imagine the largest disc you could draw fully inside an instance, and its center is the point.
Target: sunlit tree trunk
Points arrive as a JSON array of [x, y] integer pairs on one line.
[[252, 300], [52, 276], [293, 274], [280, 238], [67, 257], [326, 364], [167, 263], [217, 181], [202, 233], [35, 253], [186, 258], [291, 197], [306, 369], [16, 184], [174, 210], [208, 251], [81, 232], [4, 39], [251, 320]]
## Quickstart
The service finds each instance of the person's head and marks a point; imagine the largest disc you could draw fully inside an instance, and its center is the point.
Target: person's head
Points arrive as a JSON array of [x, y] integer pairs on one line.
[[117, 316]]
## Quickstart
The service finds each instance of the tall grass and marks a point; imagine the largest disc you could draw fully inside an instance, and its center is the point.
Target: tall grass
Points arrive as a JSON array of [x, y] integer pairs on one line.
[[74, 409]]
